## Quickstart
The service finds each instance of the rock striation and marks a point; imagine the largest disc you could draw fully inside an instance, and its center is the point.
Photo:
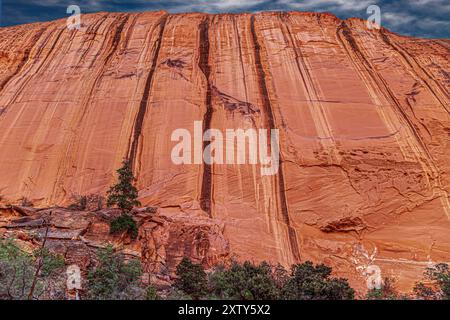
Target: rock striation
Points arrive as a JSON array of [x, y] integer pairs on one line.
[[363, 116]]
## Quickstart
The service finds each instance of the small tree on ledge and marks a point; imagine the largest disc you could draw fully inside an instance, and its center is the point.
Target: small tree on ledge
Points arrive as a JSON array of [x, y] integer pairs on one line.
[[124, 194]]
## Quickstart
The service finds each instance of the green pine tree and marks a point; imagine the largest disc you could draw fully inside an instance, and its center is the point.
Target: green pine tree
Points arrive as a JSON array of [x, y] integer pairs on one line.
[[124, 194], [191, 279]]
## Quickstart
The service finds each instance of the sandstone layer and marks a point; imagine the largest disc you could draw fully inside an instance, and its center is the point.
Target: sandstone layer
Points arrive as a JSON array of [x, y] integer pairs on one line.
[[363, 117], [164, 237]]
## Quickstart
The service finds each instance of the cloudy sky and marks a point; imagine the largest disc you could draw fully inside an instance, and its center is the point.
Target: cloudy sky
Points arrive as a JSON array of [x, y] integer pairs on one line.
[[424, 18]]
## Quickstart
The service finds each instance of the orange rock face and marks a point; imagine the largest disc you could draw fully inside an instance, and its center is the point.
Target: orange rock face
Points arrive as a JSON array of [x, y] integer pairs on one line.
[[164, 237], [363, 117]]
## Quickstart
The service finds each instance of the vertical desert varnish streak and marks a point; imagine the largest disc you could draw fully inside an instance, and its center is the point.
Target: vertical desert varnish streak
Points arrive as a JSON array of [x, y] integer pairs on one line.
[[132, 155], [205, 196], [271, 124]]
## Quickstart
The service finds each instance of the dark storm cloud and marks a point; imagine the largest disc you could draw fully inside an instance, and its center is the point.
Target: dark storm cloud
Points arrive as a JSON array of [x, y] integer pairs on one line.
[[425, 18]]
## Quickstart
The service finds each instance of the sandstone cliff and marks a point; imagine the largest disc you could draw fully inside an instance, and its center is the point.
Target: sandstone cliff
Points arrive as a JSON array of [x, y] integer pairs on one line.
[[363, 117]]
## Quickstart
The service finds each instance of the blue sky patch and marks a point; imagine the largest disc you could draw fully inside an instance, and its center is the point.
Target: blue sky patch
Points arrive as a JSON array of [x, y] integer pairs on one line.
[[421, 18]]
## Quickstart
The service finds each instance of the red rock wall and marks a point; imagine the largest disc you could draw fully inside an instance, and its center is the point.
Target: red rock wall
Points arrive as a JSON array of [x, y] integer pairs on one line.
[[363, 117]]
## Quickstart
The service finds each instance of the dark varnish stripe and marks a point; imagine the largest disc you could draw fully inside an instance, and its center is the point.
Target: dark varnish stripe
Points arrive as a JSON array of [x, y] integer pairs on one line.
[[92, 85], [271, 123], [143, 105], [205, 196], [111, 52]]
